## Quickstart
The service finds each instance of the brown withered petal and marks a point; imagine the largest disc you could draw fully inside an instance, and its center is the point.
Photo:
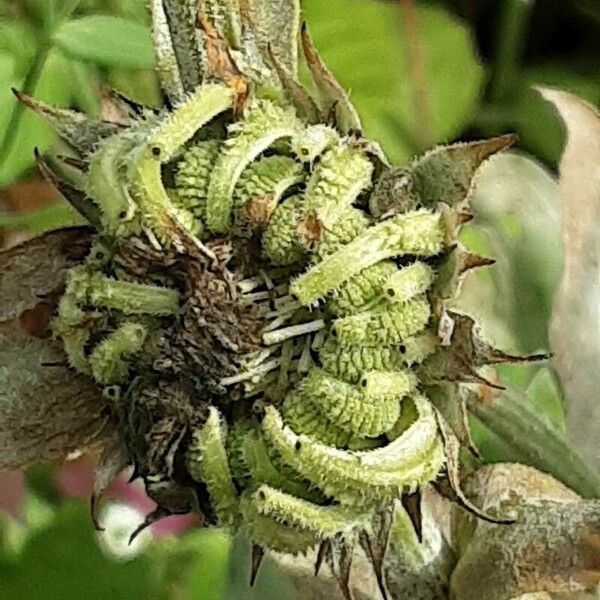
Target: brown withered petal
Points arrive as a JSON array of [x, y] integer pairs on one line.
[[332, 95], [258, 554], [35, 270], [47, 412], [79, 131], [452, 449]]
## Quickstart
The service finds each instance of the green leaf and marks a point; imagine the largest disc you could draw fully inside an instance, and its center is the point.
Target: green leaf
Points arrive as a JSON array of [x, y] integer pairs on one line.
[[194, 566], [56, 215], [520, 434], [84, 88], [364, 44], [545, 397], [19, 39], [8, 65], [53, 88], [540, 129], [107, 40], [63, 561]]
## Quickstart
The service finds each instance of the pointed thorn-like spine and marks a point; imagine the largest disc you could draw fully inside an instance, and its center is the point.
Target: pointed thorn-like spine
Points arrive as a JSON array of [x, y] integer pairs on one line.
[[496, 357], [376, 561], [463, 218], [155, 515], [322, 553], [258, 554], [94, 504], [412, 506], [76, 198], [452, 450], [473, 261], [71, 161], [476, 377], [340, 563]]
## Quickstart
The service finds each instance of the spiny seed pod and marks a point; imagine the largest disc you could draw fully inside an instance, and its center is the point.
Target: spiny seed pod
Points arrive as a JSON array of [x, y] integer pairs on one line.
[[268, 326]]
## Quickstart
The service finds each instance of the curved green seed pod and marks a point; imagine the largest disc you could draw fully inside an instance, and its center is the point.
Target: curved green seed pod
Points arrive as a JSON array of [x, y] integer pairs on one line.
[[109, 358], [270, 533], [192, 176], [207, 462], [388, 384], [266, 179], [262, 469], [157, 209], [341, 175], [389, 324], [164, 142], [302, 412], [203, 105], [412, 459], [409, 282], [418, 233], [309, 143], [281, 244], [68, 325], [321, 521], [351, 224], [74, 343], [350, 408], [264, 124], [350, 362], [361, 289], [106, 185], [130, 298], [235, 450], [419, 347]]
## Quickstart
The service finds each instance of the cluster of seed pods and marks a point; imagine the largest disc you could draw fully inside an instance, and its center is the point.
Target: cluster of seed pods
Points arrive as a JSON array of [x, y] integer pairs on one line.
[[334, 271]]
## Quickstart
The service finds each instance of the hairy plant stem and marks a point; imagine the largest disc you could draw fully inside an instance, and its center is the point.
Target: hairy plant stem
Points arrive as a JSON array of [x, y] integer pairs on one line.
[[417, 65], [512, 28], [33, 76]]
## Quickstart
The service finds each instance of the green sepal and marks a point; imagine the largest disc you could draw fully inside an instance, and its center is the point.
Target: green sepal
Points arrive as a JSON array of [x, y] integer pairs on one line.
[[78, 130], [332, 96], [321, 521], [208, 463], [186, 44], [167, 67], [445, 173], [108, 360]]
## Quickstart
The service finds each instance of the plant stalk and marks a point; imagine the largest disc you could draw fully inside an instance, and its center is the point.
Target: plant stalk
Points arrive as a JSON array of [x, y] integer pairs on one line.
[[512, 30], [417, 65]]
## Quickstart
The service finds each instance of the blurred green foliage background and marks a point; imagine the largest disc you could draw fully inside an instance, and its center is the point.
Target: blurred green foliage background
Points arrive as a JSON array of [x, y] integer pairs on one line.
[[420, 73]]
